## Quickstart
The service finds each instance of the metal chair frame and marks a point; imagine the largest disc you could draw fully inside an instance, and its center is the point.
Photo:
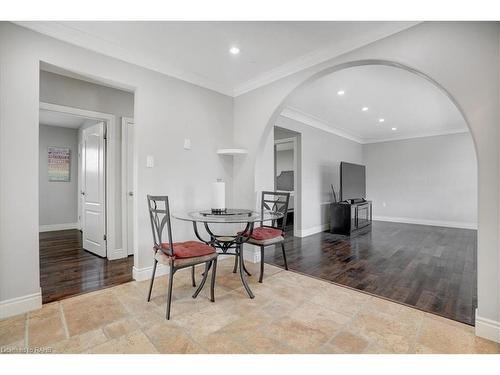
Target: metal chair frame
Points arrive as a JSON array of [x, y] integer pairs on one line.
[[160, 218], [276, 202]]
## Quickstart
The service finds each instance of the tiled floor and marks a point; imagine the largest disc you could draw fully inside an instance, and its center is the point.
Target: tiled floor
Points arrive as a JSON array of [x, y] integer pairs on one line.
[[291, 313]]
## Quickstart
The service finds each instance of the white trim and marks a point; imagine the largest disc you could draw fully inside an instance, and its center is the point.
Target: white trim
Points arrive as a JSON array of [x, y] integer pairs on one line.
[[102, 46], [311, 59], [312, 230], [318, 123], [127, 167], [54, 227], [20, 305], [251, 253], [111, 144], [80, 38], [487, 328], [434, 223], [117, 253], [141, 274], [420, 135]]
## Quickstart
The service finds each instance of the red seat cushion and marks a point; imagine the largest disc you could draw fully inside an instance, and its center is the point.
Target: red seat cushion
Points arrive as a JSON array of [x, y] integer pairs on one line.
[[189, 249], [264, 233]]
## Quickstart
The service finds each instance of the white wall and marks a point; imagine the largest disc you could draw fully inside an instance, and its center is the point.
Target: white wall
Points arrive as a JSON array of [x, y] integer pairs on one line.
[[58, 200], [320, 156], [430, 180], [166, 110], [442, 51], [62, 90]]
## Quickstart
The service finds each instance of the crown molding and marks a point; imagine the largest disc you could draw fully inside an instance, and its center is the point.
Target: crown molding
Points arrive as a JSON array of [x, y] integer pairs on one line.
[[82, 39], [315, 122], [91, 42], [314, 58], [420, 135]]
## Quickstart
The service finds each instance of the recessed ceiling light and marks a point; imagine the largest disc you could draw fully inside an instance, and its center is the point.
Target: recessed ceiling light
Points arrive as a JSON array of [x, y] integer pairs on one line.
[[234, 50], [394, 128], [364, 109], [340, 92], [381, 120]]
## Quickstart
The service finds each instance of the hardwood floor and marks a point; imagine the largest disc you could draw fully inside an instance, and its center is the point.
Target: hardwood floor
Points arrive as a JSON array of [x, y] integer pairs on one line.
[[430, 268], [67, 270]]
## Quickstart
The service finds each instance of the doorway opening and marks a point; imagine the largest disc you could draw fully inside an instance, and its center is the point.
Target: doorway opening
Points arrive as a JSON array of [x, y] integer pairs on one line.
[[83, 220], [421, 176], [287, 172]]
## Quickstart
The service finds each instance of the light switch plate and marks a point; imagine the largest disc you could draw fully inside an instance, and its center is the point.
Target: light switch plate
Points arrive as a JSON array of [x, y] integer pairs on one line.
[[150, 161], [187, 144]]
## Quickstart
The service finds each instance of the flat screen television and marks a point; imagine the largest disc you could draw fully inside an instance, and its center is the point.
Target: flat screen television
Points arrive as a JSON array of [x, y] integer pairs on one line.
[[352, 181]]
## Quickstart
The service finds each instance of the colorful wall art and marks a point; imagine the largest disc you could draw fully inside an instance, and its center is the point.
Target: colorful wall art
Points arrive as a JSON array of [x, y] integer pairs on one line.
[[59, 164]]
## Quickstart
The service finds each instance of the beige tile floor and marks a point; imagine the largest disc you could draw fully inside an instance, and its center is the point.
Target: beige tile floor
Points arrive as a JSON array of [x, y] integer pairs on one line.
[[291, 313]]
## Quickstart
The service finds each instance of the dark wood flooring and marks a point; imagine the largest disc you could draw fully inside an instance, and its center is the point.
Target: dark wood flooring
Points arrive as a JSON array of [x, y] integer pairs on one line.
[[430, 268], [67, 270]]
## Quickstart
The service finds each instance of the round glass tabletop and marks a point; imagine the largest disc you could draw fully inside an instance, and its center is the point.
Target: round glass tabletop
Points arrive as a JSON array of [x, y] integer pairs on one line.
[[231, 215]]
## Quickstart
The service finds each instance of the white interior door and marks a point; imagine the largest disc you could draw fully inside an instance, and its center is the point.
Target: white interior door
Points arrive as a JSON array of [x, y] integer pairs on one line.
[[93, 190], [130, 187]]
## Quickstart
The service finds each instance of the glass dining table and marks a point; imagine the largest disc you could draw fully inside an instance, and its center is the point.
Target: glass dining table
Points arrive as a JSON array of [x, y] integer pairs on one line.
[[229, 244]]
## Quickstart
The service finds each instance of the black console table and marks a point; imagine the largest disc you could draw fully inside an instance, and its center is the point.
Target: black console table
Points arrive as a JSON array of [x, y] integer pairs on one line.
[[348, 218]]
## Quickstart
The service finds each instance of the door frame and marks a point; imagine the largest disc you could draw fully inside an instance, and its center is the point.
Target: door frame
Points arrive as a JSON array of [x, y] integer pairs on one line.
[[297, 208], [110, 180], [128, 166]]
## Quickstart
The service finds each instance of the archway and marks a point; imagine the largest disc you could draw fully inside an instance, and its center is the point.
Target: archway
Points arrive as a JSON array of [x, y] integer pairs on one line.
[[346, 65], [264, 141]]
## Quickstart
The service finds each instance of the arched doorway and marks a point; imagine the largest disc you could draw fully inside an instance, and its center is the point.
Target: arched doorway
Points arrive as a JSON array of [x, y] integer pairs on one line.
[[263, 154]]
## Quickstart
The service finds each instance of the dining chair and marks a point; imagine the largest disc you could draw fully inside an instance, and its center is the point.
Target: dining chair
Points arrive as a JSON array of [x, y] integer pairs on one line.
[[274, 234], [177, 255]]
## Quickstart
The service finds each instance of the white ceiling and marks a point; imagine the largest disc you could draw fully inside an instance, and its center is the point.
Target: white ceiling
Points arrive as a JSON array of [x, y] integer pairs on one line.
[[198, 52], [406, 101], [63, 120]]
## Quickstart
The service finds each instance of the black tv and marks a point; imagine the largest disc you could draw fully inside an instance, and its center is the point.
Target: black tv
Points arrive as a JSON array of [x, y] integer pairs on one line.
[[352, 181]]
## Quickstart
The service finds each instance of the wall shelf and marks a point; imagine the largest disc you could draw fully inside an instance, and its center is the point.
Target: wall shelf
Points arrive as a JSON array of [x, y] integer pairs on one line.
[[232, 151]]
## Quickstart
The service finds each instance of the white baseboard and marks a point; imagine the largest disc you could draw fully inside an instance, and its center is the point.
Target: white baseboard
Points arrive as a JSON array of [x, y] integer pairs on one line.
[[141, 274], [435, 223], [117, 254], [312, 230], [487, 328], [20, 305], [251, 253], [53, 227]]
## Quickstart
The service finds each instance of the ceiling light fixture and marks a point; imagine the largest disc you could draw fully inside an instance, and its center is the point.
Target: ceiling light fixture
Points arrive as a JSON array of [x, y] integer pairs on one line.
[[364, 109], [394, 128], [234, 50], [340, 92], [381, 120]]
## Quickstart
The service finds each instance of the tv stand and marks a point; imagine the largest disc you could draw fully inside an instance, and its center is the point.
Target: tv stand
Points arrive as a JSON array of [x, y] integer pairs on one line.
[[350, 217]]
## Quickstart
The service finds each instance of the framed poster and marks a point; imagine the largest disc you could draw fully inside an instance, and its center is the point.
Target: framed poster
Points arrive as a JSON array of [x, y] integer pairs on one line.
[[59, 164]]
